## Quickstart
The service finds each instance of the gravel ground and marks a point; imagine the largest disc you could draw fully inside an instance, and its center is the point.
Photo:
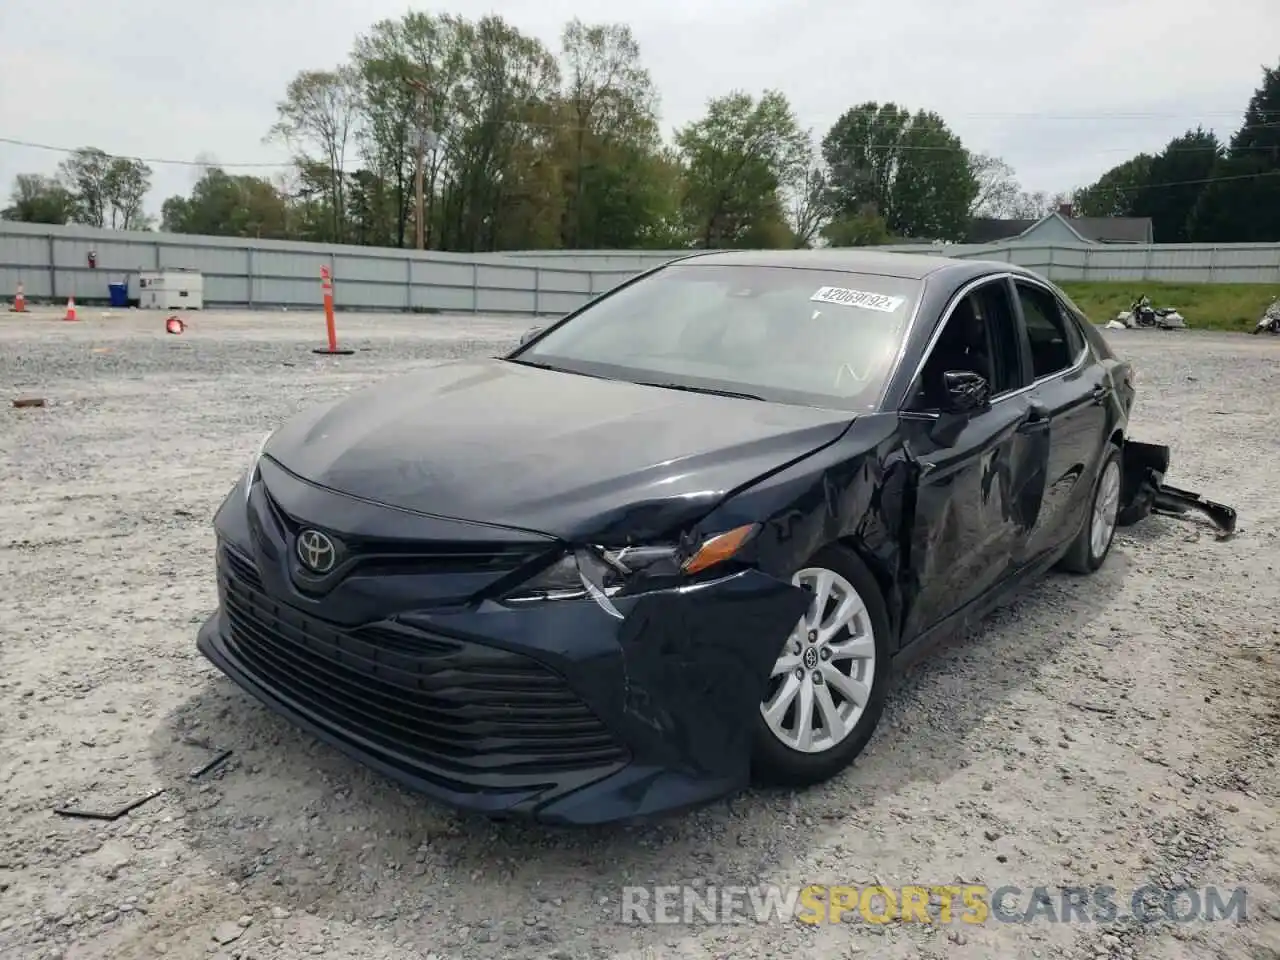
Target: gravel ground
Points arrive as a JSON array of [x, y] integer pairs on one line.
[[1119, 730]]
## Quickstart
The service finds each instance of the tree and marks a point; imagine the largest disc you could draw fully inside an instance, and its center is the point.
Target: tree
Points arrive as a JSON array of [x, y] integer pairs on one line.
[[222, 205], [664, 227], [911, 168], [998, 191], [108, 191], [1039, 203], [415, 73], [493, 195], [1242, 204], [810, 205], [318, 113], [865, 228], [736, 160], [1176, 178], [608, 106], [384, 138], [1165, 187], [125, 186], [371, 209], [39, 199], [1115, 193], [85, 175]]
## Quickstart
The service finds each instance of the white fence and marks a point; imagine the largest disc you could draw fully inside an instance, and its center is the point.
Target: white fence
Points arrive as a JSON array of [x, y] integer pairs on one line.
[[53, 262], [1158, 262]]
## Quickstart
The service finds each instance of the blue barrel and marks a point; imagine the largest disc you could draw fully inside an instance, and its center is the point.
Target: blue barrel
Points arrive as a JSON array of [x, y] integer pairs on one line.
[[119, 293]]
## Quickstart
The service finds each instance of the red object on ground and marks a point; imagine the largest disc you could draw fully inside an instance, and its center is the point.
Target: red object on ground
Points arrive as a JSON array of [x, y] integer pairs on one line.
[[19, 301], [174, 325], [71, 309], [326, 288]]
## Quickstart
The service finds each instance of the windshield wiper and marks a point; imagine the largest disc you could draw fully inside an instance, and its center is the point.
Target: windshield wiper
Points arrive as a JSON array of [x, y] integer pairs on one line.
[[532, 363], [711, 390], [547, 366]]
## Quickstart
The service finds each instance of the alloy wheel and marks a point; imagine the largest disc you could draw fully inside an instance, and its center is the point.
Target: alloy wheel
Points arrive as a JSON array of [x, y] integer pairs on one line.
[[822, 680], [1106, 506]]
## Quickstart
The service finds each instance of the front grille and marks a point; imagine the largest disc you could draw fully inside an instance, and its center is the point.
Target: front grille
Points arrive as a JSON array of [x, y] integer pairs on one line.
[[242, 569], [382, 557], [463, 714]]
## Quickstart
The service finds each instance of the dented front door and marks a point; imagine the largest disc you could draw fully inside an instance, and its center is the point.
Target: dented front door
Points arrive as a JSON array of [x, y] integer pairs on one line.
[[978, 492]]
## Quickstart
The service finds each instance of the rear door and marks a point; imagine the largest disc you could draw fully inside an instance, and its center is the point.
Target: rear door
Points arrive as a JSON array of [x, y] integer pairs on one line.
[[1071, 391]]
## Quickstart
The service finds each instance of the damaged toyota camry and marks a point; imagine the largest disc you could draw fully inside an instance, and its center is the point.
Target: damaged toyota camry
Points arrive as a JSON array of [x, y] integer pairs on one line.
[[679, 540]]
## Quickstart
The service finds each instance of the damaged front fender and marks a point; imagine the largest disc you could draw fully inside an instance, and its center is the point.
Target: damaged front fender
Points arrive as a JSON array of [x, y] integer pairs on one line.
[[1144, 491]]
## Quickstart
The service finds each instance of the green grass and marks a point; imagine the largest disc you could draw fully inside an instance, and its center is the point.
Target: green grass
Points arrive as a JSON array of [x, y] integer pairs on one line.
[[1206, 306]]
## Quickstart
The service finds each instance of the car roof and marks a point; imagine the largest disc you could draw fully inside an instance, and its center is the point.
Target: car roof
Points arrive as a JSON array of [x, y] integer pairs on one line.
[[912, 266]]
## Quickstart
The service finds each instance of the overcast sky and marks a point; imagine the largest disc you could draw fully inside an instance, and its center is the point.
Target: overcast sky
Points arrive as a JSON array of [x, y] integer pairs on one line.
[[1061, 89]]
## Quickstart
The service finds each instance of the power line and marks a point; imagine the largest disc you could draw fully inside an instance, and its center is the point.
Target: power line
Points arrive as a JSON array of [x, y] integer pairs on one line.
[[1187, 183], [286, 165], [157, 160]]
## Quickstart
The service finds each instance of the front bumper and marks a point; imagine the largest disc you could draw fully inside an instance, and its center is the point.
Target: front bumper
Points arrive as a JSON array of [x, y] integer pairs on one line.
[[557, 711], [1143, 490]]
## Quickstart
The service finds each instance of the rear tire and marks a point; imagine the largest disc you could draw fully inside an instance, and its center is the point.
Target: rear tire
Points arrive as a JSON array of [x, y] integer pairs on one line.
[[828, 687], [1092, 544]]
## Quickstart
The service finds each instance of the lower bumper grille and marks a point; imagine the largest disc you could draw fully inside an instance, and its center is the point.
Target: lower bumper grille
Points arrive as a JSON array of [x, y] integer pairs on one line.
[[467, 715]]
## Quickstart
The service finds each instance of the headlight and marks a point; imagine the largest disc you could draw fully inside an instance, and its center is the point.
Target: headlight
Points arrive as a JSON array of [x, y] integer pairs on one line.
[[251, 473], [601, 572]]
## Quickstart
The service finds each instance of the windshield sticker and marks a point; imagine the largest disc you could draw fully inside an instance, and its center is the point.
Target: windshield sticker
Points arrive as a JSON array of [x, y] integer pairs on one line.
[[858, 298]]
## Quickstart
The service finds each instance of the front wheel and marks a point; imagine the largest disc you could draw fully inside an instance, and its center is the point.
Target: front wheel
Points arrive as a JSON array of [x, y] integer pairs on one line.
[[827, 688]]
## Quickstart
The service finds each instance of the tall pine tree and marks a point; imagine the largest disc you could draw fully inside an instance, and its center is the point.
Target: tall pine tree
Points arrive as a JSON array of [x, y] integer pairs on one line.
[[1242, 204]]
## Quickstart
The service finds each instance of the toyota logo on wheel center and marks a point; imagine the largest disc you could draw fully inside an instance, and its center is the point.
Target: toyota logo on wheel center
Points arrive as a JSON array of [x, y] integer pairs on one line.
[[316, 551]]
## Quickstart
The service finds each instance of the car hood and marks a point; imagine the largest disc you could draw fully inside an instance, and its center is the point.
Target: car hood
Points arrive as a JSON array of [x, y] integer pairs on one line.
[[572, 456]]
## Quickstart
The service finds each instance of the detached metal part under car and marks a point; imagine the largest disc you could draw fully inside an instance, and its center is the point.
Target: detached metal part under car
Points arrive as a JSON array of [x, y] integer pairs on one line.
[[680, 539]]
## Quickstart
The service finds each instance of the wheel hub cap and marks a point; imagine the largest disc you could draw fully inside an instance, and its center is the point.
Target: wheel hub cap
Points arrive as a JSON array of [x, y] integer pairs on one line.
[[1106, 507], [822, 681]]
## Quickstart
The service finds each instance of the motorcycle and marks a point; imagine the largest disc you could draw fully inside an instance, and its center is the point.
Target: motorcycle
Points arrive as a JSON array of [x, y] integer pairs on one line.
[[1270, 322], [1142, 314]]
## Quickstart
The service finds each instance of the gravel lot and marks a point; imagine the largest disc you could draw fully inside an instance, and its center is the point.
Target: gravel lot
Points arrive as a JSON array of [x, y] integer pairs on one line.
[[1121, 729]]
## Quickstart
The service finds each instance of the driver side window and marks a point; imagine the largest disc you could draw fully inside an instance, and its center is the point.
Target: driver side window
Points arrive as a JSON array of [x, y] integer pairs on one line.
[[979, 336]]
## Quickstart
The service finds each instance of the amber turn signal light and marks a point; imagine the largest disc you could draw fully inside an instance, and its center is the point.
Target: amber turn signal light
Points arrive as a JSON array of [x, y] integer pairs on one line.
[[719, 548]]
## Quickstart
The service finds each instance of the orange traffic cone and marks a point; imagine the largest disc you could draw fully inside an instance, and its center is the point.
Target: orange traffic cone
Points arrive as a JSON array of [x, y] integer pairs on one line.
[[19, 302], [71, 309], [174, 325]]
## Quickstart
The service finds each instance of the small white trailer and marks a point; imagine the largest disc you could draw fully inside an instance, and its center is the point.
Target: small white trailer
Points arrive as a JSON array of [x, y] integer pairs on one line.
[[171, 290]]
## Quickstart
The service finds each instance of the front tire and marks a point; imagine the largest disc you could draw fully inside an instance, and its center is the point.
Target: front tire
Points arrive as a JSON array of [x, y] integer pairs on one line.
[[1092, 544], [828, 686]]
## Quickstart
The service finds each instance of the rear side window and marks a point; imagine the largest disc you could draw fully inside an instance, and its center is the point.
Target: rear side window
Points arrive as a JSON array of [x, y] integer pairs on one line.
[[1053, 345], [1071, 324], [1083, 328]]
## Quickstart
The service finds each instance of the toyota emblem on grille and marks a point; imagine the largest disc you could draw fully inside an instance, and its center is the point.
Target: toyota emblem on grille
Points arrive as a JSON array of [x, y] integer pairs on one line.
[[316, 551]]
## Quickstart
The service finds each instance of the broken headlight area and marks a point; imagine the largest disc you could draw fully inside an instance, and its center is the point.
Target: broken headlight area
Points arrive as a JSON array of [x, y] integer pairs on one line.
[[251, 472], [603, 572]]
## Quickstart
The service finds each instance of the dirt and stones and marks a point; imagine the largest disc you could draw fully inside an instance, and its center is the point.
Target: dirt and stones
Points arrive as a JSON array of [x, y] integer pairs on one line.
[[1117, 731]]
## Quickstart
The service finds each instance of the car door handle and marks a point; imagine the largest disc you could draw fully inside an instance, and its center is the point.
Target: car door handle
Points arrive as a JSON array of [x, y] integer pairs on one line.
[[1099, 393]]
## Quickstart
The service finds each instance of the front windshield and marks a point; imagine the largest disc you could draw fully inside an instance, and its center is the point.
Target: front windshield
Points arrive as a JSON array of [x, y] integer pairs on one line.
[[815, 337]]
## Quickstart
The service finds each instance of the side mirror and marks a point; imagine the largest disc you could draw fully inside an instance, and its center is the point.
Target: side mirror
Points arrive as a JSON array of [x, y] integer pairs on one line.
[[529, 335], [966, 392]]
